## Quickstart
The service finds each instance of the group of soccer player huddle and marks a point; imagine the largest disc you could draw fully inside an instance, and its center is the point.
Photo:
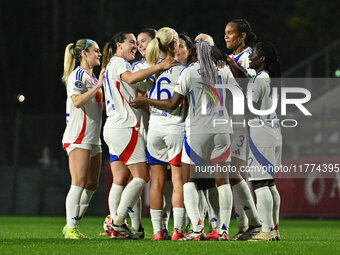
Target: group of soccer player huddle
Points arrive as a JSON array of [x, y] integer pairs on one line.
[[160, 112]]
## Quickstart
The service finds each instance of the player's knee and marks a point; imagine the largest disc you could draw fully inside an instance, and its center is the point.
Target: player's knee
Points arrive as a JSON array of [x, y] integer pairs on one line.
[[157, 183]]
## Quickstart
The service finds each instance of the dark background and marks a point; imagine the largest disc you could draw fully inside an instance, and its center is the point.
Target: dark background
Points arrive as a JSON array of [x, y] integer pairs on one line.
[[35, 33]]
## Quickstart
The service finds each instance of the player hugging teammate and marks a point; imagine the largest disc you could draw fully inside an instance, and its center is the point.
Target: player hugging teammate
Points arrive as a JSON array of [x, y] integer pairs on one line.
[[182, 102]]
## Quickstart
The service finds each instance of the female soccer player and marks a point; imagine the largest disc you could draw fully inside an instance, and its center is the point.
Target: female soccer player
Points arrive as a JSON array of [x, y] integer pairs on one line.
[[201, 139], [143, 39], [126, 145], [240, 39], [81, 138], [184, 56], [166, 134], [265, 142], [184, 52]]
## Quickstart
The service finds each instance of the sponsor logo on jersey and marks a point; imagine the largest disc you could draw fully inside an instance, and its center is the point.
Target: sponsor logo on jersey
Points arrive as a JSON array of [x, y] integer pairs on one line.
[[78, 84]]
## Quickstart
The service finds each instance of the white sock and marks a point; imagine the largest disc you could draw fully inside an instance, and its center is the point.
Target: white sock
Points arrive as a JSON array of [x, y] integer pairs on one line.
[[85, 199], [276, 206], [72, 206], [225, 198], [135, 214], [214, 208], [265, 207], [114, 198], [241, 217], [178, 213], [130, 195], [246, 204], [167, 195], [156, 219], [191, 201]]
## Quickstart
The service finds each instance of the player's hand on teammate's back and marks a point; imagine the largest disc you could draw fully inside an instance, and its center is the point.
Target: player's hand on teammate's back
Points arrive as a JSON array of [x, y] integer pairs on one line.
[[168, 63], [138, 102]]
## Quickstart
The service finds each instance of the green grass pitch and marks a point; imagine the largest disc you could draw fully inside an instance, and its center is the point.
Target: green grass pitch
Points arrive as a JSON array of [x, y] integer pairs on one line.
[[42, 235]]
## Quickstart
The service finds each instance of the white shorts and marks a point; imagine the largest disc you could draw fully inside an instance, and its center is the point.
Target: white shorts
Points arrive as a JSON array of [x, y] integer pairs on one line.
[[125, 145], [239, 144], [95, 149], [263, 161], [202, 148], [164, 148]]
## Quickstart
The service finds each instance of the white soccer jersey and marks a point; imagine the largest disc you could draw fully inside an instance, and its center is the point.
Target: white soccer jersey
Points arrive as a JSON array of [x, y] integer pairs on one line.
[[161, 86], [144, 120], [83, 124], [269, 134], [207, 105], [118, 95], [139, 65], [243, 60]]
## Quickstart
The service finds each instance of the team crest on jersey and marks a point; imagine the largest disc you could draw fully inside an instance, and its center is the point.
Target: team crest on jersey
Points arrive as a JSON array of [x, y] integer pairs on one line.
[[78, 84]]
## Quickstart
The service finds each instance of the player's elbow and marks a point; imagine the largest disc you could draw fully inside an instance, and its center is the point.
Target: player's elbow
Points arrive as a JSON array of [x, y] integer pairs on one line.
[[77, 105], [172, 106], [130, 80]]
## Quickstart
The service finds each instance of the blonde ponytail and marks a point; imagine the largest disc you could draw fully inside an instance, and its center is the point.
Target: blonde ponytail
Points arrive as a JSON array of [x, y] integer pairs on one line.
[[73, 53], [163, 42], [69, 62], [152, 52]]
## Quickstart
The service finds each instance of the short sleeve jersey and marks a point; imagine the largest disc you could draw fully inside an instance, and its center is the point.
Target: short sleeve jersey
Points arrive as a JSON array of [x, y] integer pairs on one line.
[[269, 134], [243, 60], [207, 104], [137, 66], [118, 95], [83, 124], [161, 86]]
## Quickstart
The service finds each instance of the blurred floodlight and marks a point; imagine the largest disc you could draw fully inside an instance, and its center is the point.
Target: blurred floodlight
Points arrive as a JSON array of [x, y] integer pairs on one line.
[[337, 73], [21, 98]]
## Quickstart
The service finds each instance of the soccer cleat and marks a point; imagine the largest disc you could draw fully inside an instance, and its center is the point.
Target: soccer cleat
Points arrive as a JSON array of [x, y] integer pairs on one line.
[[237, 236], [114, 237], [223, 237], [277, 235], [166, 235], [250, 233], [73, 233], [140, 232], [64, 230], [121, 232], [264, 236], [176, 235], [212, 236], [193, 236], [158, 236]]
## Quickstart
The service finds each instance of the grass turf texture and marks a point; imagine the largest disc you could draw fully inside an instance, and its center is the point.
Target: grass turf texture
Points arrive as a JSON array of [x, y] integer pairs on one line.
[[42, 235]]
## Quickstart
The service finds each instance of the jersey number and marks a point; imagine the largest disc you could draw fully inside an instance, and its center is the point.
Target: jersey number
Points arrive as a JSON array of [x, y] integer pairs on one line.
[[158, 87]]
